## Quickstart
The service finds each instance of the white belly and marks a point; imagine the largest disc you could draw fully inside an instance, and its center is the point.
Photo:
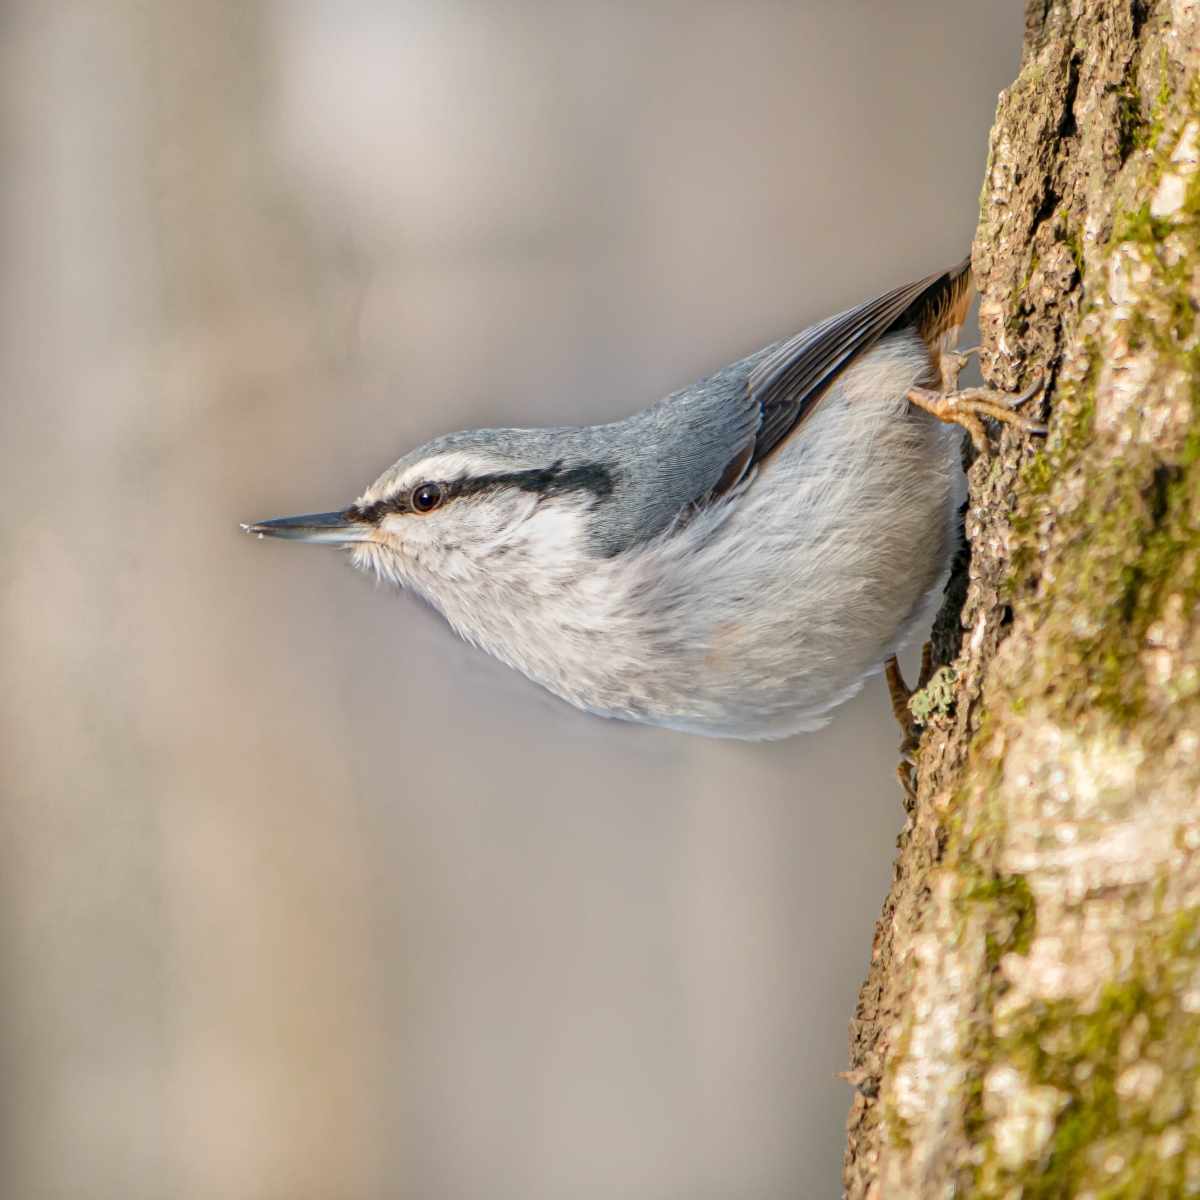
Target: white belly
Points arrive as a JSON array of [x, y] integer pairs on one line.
[[763, 614]]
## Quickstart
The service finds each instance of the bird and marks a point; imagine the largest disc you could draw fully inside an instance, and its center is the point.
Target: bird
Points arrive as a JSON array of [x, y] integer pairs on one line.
[[735, 560]]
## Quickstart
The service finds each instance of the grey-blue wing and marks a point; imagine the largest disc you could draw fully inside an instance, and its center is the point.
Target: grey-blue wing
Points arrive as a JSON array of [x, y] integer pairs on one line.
[[671, 455], [700, 441], [788, 381]]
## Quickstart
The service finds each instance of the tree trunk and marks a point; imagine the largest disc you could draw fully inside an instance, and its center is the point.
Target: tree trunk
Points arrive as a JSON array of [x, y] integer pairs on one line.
[[1030, 1026]]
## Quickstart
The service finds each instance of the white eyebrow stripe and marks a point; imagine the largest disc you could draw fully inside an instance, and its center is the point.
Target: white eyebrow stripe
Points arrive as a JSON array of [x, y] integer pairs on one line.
[[438, 468]]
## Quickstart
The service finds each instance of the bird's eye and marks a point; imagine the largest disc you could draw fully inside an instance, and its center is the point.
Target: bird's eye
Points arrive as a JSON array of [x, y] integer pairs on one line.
[[426, 497]]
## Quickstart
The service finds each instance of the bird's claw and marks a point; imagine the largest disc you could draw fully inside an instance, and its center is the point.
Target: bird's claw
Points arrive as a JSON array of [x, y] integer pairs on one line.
[[1028, 394], [967, 406]]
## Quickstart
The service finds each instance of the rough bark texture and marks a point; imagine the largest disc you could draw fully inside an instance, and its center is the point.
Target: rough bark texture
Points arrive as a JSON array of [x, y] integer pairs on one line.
[[1030, 1026]]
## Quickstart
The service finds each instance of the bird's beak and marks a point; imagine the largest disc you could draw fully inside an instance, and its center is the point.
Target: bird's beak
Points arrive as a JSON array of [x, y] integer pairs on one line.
[[333, 528]]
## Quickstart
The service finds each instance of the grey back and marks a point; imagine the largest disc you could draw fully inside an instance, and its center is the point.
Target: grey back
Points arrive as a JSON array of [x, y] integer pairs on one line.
[[678, 451]]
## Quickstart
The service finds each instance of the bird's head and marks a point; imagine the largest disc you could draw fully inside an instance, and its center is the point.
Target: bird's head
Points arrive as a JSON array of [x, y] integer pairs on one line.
[[471, 515]]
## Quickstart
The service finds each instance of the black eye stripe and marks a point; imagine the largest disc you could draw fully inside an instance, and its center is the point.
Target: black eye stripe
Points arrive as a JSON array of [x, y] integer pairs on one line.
[[556, 480], [546, 481]]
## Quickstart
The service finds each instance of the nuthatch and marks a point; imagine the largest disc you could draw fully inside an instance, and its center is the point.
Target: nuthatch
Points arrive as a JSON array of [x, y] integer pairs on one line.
[[734, 560]]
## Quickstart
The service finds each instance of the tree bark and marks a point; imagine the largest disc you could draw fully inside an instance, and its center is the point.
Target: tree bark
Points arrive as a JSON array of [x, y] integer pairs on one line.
[[1030, 1026]]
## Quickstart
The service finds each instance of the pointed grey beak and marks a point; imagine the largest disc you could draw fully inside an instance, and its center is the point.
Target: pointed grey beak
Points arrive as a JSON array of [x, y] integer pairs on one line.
[[333, 528]]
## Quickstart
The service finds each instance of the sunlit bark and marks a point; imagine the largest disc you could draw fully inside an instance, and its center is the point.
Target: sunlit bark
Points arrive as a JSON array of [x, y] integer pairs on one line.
[[1031, 1022]]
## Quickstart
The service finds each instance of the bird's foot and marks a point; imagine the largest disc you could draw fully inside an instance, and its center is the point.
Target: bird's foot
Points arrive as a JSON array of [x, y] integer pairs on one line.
[[966, 407], [954, 362], [901, 693]]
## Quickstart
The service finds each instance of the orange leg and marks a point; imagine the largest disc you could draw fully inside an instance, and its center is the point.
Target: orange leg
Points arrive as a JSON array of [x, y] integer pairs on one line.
[[967, 406]]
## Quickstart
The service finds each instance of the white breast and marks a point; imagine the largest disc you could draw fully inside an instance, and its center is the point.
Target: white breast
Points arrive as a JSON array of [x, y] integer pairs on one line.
[[763, 612], [832, 558]]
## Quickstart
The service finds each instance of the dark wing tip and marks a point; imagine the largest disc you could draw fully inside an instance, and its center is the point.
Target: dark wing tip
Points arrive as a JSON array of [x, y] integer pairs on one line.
[[790, 380]]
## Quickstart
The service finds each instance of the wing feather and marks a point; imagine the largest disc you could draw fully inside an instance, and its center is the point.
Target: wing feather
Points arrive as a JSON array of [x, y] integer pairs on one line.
[[789, 380], [701, 440]]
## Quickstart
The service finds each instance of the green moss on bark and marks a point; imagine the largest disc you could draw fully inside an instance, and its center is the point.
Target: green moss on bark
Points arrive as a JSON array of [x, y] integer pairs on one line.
[[1125, 1069], [1125, 1063], [1038, 1027]]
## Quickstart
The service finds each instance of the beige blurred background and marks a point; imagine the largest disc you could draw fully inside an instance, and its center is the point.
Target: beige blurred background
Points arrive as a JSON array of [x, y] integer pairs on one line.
[[300, 897]]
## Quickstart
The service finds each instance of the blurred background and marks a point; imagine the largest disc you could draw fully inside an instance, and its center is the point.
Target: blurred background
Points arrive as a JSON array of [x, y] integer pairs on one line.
[[300, 897]]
